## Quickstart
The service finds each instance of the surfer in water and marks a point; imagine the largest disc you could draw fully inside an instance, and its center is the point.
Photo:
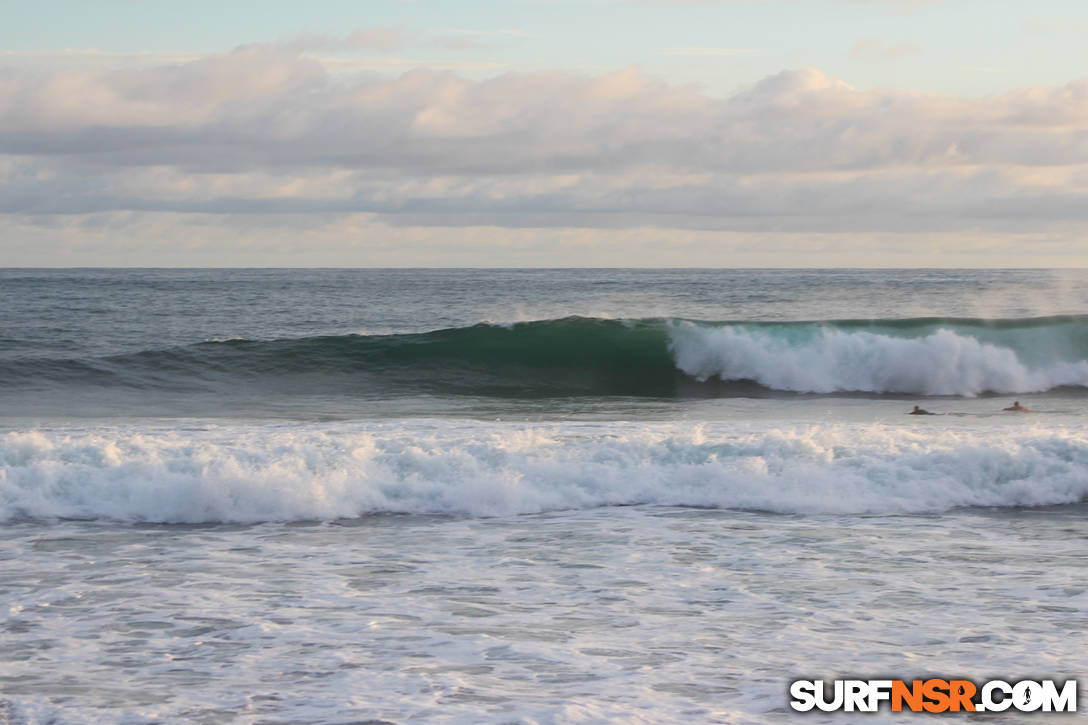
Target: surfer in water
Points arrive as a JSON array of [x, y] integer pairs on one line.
[[920, 411], [1017, 408]]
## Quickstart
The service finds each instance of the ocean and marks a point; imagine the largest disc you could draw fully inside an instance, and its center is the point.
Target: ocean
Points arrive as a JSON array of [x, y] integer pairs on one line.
[[533, 496]]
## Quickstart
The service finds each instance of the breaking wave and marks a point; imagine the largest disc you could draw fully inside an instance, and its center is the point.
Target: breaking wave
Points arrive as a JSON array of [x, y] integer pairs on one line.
[[587, 356], [313, 472]]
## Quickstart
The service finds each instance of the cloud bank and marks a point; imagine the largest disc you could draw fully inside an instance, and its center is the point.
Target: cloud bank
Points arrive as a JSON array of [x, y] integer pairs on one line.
[[267, 132]]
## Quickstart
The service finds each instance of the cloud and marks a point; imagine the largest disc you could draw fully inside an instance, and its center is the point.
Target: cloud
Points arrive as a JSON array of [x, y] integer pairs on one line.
[[1065, 26], [375, 39], [459, 42], [365, 48], [688, 2], [284, 240], [96, 57], [469, 39], [703, 52], [895, 5], [268, 132], [384, 39], [876, 48], [493, 32]]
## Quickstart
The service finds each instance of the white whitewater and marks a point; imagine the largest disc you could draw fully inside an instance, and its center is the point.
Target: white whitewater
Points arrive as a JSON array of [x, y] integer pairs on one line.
[[292, 472], [835, 360]]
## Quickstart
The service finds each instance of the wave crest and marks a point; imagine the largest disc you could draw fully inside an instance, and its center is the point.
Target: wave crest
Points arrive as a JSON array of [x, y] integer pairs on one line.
[[831, 360]]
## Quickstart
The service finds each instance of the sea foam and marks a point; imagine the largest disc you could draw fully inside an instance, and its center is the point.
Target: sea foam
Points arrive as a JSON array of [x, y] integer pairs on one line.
[[829, 360], [254, 473]]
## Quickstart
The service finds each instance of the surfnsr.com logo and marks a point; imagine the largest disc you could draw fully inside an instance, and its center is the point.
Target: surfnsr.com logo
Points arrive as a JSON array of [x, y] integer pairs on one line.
[[934, 695]]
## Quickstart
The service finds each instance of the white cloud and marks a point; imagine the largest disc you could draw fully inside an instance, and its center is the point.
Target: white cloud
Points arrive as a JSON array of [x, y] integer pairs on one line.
[[267, 132], [501, 32], [470, 39], [176, 239], [895, 5], [877, 48], [385, 39], [696, 51]]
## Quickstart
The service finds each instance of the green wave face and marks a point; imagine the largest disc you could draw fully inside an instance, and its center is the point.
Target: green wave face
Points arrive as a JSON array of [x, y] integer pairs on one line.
[[562, 357], [586, 356]]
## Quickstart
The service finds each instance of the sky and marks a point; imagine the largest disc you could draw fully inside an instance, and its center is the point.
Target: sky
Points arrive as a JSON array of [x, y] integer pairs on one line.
[[528, 133]]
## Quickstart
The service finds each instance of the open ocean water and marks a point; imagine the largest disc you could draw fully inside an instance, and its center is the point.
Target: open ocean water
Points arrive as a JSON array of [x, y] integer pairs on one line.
[[542, 496]]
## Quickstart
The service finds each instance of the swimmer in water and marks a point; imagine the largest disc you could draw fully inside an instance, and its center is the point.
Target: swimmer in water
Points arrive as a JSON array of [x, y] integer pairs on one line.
[[1017, 408], [920, 411]]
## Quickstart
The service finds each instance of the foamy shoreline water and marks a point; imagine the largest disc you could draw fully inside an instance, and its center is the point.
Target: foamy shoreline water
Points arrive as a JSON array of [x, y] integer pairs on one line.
[[633, 614]]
